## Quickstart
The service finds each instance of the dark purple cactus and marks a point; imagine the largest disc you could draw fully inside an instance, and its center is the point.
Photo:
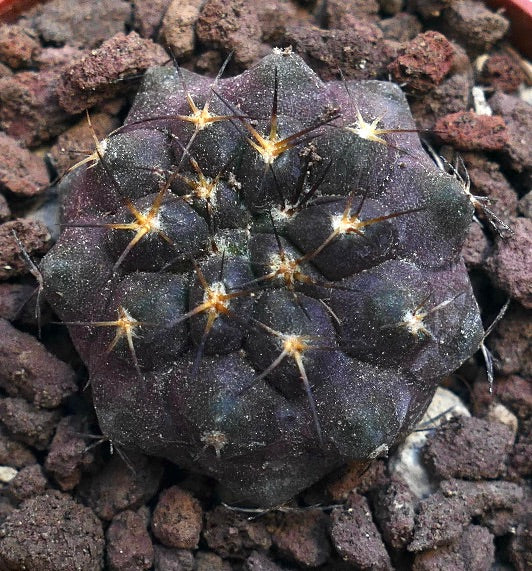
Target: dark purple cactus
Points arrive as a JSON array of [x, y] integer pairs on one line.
[[263, 275]]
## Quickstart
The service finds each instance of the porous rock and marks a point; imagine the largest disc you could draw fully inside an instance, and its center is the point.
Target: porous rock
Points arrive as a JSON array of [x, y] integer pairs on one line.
[[18, 46], [28, 423], [120, 486], [178, 27], [84, 24], [510, 264], [302, 537], [474, 550], [470, 448], [177, 519], [468, 131], [444, 515], [21, 172], [128, 543], [424, 62], [69, 456], [356, 537], [97, 76], [231, 534], [52, 532], [30, 481], [27, 369]]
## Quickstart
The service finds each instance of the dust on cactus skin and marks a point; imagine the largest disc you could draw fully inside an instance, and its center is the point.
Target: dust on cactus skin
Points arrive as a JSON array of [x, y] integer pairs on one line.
[[263, 276]]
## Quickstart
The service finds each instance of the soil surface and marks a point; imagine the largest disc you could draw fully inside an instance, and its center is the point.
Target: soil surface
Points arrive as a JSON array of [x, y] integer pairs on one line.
[[456, 496]]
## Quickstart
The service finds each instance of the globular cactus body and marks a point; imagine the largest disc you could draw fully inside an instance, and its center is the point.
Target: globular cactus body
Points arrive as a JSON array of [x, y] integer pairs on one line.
[[266, 286]]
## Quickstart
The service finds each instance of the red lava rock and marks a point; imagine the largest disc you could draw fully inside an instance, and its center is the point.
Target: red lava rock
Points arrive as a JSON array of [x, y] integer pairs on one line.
[[341, 13], [234, 27], [26, 422], [402, 28], [473, 25], [502, 71], [356, 538], [29, 107], [444, 515], [476, 247], [474, 551], [128, 543], [231, 534], [148, 16], [468, 447], [206, 561], [85, 24], [487, 180], [165, 559], [302, 537], [258, 561], [394, 513], [177, 519], [13, 453], [80, 137], [357, 476], [274, 17], [177, 31], [13, 298], [94, 78], [27, 369], [359, 51], [516, 393], [30, 481], [68, 456], [18, 46], [51, 57], [244, 26], [510, 342], [451, 96], [468, 131], [518, 117], [440, 520], [117, 487], [424, 62], [21, 172], [51, 532], [481, 497], [510, 264]]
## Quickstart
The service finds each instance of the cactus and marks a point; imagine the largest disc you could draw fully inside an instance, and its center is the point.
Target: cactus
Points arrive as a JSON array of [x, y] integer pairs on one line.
[[263, 275]]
